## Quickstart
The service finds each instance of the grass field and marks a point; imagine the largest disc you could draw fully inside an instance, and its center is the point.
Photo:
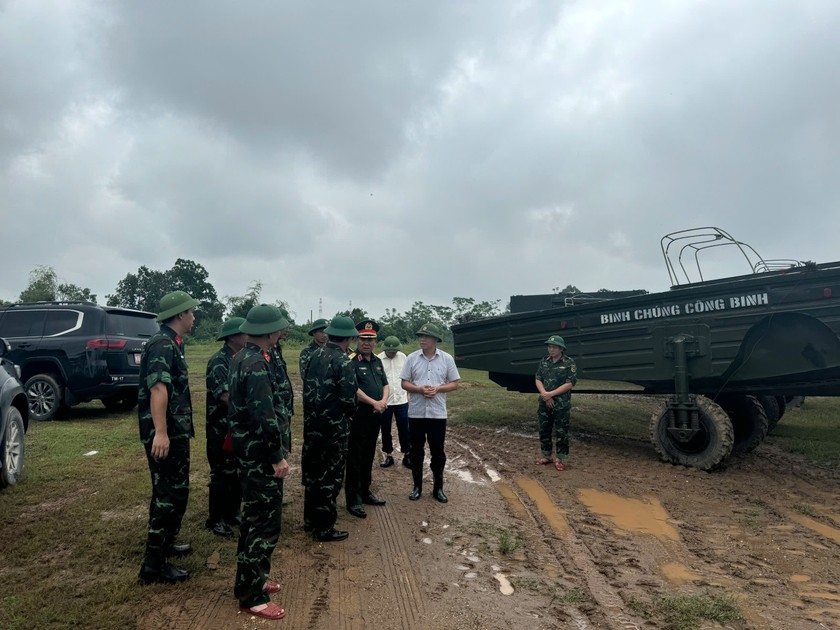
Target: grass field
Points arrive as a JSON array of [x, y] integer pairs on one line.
[[73, 529]]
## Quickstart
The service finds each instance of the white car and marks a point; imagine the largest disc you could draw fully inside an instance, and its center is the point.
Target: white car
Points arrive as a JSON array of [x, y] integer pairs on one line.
[[14, 420]]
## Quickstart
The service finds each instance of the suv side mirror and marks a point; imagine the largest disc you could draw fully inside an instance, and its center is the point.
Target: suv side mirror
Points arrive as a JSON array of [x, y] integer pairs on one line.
[[5, 347]]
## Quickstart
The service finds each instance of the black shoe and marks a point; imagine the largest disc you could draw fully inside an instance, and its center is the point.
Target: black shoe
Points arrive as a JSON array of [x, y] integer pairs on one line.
[[438, 494], [167, 574], [220, 529], [357, 511], [307, 527], [234, 521], [407, 461], [179, 550], [389, 461], [372, 499], [333, 535], [415, 494]]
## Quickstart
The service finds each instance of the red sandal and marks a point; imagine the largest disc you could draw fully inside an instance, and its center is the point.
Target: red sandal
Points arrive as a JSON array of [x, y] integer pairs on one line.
[[559, 466], [545, 461], [272, 612], [271, 587]]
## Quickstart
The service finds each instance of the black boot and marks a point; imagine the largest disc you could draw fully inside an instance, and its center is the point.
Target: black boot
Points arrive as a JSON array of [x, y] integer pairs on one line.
[[418, 485], [437, 492]]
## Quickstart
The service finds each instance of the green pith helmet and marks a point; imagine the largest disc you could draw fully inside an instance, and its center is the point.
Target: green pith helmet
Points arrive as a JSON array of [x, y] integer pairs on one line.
[[556, 340], [318, 324], [391, 344], [263, 320], [230, 328], [341, 326], [173, 303], [431, 330]]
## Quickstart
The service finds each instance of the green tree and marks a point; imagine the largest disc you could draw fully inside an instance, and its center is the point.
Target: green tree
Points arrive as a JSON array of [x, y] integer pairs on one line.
[[239, 305], [44, 287], [468, 310], [192, 277], [141, 291]]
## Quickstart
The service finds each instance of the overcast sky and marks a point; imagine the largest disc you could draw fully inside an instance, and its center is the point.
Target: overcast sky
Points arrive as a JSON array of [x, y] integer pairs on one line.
[[387, 152]]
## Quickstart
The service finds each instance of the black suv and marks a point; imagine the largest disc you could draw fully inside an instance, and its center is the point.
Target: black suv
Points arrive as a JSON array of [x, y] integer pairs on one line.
[[74, 352]]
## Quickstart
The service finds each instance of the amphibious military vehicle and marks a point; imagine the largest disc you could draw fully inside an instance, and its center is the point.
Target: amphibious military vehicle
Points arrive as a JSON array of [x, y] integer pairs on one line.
[[726, 352]]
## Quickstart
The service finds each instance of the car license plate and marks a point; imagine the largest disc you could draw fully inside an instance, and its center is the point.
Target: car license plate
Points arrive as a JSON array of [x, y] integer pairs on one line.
[[137, 357]]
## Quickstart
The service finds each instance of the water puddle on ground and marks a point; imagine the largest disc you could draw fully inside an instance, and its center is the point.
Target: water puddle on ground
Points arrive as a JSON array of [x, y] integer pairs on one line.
[[632, 515], [678, 573], [832, 533], [505, 587], [544, 504]]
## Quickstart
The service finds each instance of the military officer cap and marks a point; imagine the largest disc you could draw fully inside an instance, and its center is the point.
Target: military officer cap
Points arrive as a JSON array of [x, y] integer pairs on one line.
[[174, 303], [430, 330], [367, 328], [263, 320], [230, 327], [556, 340], [318, 324], [341, 326], [391, 344]]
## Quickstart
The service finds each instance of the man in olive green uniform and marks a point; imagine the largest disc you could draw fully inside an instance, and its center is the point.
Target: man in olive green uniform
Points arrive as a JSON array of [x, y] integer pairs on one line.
[[319, 340], [284, 395], [164, 410], [224, 490], [555, 378], [259, 443], [364, 428], [329, 394]]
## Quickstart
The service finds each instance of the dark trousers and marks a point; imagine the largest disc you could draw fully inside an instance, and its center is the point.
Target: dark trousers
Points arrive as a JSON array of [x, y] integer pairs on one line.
[[432, 430], [225, 493], [262, 501], [556, 421], [170, 492], [400, 414], [324, 472], [361, 451]]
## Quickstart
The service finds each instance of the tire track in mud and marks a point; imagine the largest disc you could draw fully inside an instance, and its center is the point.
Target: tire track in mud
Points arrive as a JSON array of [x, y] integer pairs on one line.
[[563, 545], [403, 584]]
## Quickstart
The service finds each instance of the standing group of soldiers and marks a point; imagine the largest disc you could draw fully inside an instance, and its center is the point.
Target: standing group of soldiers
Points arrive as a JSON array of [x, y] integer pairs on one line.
[[250, 404]]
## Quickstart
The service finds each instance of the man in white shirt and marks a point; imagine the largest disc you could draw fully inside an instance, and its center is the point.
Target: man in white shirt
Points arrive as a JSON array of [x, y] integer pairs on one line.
[[428, 374], [393, 360]]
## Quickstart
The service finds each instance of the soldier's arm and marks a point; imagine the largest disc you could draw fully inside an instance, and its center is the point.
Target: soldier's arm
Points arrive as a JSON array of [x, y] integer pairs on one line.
[[348, 386], [159, 400], [161, 356]]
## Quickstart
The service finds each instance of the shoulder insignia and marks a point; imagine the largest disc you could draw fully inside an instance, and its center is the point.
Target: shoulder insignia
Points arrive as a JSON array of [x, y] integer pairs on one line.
[[352, 355]]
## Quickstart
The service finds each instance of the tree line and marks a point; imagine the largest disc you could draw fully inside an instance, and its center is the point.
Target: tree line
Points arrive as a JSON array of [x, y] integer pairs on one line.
[[144, 289]]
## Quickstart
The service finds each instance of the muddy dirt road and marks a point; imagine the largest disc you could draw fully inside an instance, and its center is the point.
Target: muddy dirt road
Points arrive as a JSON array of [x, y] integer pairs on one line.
[[615, 529]]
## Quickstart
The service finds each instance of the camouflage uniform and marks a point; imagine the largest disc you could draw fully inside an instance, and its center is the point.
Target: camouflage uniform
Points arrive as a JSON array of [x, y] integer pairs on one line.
[[225, 491], [364, 429], [163, 362], [305, 355], [258, 433], [285, 402], [329, 394], [553, 375]]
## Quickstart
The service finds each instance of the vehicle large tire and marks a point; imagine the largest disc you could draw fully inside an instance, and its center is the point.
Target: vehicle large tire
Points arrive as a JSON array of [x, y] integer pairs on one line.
[[124, 402], [12, 448], [707, 449], [771, 409], [44, 394], [750, 423]]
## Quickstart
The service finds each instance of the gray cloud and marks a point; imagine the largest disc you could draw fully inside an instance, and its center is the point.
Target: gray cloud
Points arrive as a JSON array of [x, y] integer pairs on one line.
[[387, 153]]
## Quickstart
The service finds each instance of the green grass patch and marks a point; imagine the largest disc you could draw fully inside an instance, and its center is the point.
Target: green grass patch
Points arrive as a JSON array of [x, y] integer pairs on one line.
[[812, 430], [555, 592], [689, 612]]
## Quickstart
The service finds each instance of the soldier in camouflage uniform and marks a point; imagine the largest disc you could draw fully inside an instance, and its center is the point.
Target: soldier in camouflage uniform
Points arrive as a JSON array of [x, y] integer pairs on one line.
[[555, 378], [284, 395], [319, 340], [164, 410], [225, 493], [259, 443], [364, 428], [329, 394]]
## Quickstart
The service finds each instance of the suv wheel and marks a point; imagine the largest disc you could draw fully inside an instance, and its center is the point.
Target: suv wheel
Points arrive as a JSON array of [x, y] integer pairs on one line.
[[44, 394], [12, 448]]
